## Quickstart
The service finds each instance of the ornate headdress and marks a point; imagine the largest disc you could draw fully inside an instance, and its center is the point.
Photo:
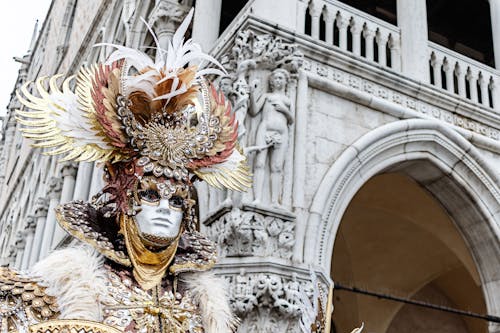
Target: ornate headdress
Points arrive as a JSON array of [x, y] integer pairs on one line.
[[150, 121]]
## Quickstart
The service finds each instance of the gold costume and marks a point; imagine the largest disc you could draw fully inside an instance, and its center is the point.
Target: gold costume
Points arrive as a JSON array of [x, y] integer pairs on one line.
[[156, 126]]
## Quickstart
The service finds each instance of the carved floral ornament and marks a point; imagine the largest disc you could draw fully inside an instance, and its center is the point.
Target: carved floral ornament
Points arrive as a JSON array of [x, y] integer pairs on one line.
[[268, 302], [241, 233], [267, 51]]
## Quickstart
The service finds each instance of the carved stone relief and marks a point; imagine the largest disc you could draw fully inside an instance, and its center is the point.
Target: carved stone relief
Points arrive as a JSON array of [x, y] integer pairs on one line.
[[268, 302], [264, 110], [241, 233]]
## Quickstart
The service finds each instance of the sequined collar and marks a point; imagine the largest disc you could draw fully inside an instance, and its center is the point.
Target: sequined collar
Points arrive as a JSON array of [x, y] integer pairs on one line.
[[84, 222]]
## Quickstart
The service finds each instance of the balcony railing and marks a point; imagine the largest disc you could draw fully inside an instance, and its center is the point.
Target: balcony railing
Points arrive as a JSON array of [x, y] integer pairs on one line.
[[354, 31], [377, 41], [462, 76]]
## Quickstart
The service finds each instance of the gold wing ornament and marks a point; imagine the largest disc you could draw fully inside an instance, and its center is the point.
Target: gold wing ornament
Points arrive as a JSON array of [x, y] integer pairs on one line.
[[158, 114], [81, 123]]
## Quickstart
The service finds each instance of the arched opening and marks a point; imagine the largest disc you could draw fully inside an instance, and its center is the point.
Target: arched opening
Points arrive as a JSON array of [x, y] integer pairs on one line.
[[398, 239], [442, 163]]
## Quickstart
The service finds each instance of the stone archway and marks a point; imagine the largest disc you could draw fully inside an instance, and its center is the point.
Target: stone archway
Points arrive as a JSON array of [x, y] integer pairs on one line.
[[460, 180]]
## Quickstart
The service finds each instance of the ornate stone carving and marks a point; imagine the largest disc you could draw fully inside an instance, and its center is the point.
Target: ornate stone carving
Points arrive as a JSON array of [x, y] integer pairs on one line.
[[268, 302], [241, 233], [41, 206], [55, 187], [268, 52], [272, 133], [165, 17], [260, 58], [69, 169]]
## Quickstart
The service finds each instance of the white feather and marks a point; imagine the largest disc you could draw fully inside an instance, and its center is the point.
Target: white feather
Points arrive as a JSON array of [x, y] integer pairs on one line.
[[210, 294], [170, 61], [65, 110], [76, 278]]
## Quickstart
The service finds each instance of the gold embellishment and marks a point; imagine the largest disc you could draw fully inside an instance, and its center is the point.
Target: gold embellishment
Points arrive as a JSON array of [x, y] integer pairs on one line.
[[148, 267], [72, 326], [23, 301], [110, 253]]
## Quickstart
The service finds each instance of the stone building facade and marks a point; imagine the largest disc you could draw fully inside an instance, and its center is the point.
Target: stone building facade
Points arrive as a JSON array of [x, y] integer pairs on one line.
[[375, 148]]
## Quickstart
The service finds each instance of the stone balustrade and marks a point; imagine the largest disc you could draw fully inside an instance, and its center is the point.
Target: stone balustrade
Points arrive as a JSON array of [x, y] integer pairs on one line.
[[352, 30], [462, 76]]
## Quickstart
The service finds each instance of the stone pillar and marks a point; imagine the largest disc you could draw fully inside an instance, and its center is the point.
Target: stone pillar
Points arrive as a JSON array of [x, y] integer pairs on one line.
[[412, 19], [206, 23], [82, 183], [68, 171], [165, 18], [40, 218], [48, 233], [495, 29], [29, 234], [315, 9], [97, 182], [20, 244]]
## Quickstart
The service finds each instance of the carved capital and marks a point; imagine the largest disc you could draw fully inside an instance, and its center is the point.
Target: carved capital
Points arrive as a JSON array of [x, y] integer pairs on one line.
[[368, 32], [251, 232], [166, 16], [356, 26], [315, 8], [69, 169], [263, 299], [55, 187], [329, 13], [20, 241], [30, 224], [265, 52], [41, 207], [342, 21]]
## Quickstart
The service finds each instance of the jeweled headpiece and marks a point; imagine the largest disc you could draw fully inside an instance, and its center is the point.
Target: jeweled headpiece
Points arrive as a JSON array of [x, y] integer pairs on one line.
[[141, 117], [155, 124]]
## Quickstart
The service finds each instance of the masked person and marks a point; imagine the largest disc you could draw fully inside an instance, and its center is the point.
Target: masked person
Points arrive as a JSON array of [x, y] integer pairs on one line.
[[156, 126]]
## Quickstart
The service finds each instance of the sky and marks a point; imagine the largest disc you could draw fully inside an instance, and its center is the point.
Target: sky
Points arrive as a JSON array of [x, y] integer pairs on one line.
[[17, 21]]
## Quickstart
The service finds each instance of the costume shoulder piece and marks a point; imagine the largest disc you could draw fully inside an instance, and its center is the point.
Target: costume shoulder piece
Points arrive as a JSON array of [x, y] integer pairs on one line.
[[84, 221], [23, 302]]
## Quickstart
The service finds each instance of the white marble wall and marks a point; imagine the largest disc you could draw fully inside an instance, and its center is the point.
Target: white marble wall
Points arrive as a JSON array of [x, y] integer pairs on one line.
[[352, 118]]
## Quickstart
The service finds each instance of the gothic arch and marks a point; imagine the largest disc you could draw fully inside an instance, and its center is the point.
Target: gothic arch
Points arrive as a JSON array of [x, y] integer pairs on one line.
[[467, 187]]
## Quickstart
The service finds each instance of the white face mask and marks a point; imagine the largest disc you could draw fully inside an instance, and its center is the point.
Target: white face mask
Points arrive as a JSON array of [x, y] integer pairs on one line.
[[162, 220]]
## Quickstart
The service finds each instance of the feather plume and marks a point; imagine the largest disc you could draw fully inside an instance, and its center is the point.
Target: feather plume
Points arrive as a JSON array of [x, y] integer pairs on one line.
[[210, 293], [58, 122], [76, 284], [167, 70], [224, 165]]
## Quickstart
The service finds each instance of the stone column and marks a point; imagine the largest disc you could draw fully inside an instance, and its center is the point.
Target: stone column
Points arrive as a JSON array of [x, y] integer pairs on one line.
[[68, 171], [20, 243], [29, 234], [40, 218], [412, 19], [82, 183], [495, 29], [315, 9], [97, 182], [206, 23], [165, 18], [48, 233]]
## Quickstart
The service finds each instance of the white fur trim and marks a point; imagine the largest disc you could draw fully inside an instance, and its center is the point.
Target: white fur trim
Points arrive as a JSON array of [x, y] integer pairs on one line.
[[75, 276], [210, 293]]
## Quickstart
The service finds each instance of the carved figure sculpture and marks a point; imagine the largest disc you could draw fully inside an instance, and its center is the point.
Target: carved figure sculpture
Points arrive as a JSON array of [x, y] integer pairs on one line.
[[156, 128], [272, 132]]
